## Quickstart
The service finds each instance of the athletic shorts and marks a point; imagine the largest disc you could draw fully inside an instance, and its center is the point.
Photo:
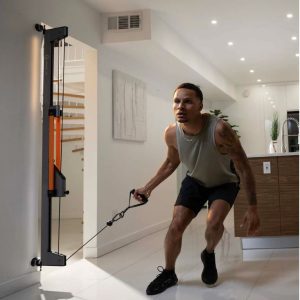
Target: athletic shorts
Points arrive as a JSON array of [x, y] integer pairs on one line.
[[193, 195]]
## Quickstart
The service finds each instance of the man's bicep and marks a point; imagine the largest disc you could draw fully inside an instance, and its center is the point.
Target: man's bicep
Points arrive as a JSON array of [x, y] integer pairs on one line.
[[227, 139], [230, 143], [238, 155], [173, 156], [236, 152], [170, 139]]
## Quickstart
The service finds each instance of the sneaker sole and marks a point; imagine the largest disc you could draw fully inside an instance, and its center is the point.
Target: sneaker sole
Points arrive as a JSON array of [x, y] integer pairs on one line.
[[211, 285], [151, 294]]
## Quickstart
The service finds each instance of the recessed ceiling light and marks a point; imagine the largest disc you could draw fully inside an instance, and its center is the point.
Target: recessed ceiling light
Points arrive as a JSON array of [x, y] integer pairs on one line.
[[294, 38], [214, 22], [297, 54], [230, 43], [242, 59], [251, 71], [289, 16], [258, 80]]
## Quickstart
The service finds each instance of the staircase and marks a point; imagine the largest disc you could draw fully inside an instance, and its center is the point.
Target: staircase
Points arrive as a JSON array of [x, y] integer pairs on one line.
[[73, 115], [74, 99]]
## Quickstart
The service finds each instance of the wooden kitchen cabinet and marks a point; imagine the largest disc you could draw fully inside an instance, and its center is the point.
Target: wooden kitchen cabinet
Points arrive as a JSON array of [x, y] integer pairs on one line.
[[288, 168], [277, 197]]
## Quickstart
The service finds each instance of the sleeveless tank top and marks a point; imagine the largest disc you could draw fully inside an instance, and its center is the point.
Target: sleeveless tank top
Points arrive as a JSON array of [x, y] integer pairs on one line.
[[202, 158]]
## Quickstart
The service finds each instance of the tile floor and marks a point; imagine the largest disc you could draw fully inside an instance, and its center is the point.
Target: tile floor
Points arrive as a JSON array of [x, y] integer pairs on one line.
[[125, 273]]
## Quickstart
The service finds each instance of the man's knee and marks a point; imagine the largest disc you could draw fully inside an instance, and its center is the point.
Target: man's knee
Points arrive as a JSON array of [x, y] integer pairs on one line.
[[214, 224], [177, 228], [181, 219]]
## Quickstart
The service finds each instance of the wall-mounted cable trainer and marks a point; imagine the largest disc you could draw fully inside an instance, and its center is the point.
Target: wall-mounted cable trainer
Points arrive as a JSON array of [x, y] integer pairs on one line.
[[53, 181]]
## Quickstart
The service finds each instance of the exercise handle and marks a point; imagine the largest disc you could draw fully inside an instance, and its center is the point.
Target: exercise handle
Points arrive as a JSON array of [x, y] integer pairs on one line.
[[144, 198]]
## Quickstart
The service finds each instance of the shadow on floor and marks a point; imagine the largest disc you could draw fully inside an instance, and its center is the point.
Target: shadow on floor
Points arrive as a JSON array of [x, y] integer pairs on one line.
[[55, 295]]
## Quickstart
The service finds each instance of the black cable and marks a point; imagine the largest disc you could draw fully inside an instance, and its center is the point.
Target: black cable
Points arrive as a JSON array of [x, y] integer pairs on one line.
[[117, 217], [58, 228], [58, 86], [63, 99], [87, 242], [58, 234], [61, 127]]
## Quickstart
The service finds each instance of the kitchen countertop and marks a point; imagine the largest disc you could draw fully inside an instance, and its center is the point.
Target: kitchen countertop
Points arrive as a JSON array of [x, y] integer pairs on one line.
[[273, 154]]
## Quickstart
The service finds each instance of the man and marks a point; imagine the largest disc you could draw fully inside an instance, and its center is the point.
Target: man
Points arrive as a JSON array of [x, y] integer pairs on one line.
[[206, 145]]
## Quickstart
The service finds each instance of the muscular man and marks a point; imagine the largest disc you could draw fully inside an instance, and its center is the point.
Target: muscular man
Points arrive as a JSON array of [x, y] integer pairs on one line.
[[207, 146]]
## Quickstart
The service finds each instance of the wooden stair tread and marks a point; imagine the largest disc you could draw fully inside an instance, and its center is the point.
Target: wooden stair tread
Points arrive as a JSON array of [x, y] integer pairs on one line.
[[78, 149], [74, 106], [74, 118], [72, 139], [68, 95], [73, 128]]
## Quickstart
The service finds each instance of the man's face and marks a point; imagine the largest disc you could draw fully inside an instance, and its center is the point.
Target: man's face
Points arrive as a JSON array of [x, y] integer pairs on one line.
[[186, 105]]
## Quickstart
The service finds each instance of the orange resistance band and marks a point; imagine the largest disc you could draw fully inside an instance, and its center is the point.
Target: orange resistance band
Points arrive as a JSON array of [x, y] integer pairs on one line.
[[57, 160], [51, 154]]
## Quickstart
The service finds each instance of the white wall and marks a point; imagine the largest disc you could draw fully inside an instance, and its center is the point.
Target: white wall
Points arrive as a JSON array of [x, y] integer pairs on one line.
[[20, 128], [20, 125], [292, 97], [253, 112], [91, 144], [126, 165]]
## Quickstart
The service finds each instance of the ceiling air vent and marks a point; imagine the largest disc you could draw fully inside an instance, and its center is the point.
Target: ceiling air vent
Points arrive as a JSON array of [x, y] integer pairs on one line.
[[124, 22], [112, 23], [135, 21]]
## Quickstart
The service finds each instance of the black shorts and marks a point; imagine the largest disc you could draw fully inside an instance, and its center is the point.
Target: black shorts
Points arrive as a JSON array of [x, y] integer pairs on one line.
[[193, 195]]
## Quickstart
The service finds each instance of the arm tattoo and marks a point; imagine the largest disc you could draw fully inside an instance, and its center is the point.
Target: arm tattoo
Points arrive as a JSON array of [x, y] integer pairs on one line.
[[230, 143], [229, 140]]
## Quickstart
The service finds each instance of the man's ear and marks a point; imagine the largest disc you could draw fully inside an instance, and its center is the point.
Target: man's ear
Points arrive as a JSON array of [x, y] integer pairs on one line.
[[201, 105]]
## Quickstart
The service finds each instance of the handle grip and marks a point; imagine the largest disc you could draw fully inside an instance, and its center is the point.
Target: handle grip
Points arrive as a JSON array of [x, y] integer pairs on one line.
[[144, 198]]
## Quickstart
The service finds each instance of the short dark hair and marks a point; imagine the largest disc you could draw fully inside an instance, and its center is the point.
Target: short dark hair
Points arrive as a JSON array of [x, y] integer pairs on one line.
[[193, 87]]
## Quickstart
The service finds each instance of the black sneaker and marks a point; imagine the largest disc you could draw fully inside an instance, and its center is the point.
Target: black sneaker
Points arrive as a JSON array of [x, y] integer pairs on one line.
[[162, 281], [209, 273]]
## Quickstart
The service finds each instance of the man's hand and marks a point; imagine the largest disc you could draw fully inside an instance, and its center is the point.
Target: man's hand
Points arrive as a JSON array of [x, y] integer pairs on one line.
[[142, 191], [251, 220]]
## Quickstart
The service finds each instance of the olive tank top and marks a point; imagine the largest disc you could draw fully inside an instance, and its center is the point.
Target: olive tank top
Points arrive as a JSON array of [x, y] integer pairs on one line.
[[202, 158]]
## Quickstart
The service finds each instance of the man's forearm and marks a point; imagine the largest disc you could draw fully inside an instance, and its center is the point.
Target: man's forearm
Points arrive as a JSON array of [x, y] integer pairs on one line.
[[249, 183], [163, 173]]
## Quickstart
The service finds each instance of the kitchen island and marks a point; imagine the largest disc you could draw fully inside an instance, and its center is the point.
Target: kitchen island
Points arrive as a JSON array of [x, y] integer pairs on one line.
[[277, 186]]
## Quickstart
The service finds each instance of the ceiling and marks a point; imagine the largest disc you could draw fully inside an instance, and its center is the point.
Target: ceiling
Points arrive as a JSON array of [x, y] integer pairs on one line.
[[259, 29]]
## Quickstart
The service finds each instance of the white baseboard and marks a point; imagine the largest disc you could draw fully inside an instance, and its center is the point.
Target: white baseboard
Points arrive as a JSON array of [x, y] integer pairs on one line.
[[19, 283], [125, 240], [269, 242]]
